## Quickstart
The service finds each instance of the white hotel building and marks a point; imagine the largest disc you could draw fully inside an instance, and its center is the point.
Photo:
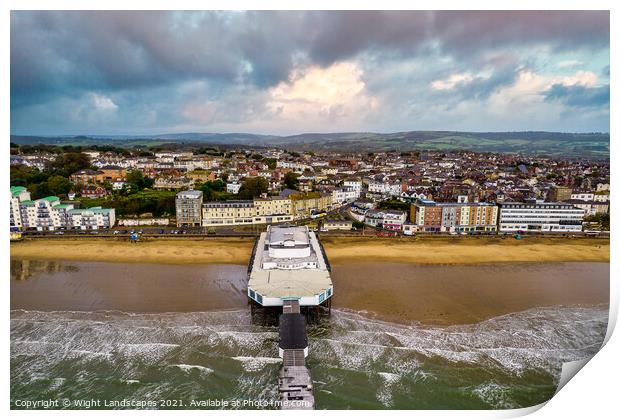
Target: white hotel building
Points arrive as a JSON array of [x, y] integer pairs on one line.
[[50, 214], [540, 217]]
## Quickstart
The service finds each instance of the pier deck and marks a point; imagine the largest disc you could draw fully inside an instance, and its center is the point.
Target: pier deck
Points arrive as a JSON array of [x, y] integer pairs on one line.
[[294, 380]]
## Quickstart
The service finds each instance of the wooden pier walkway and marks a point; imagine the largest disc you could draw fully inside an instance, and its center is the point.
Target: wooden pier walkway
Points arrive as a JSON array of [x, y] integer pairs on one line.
[[294, 380]]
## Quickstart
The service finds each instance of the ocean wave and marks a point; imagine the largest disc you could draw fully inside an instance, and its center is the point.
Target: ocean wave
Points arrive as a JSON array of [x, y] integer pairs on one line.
[[189, 368], [394, 359]]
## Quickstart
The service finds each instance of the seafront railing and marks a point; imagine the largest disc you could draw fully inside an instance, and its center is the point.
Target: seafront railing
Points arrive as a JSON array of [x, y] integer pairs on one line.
[[327, 264], [251, 264]]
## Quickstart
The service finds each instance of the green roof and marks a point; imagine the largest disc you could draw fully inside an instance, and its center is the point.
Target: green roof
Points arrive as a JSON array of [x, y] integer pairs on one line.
[[61, 206], [17, 190], [98, 209], [27, 202], [51, 198]]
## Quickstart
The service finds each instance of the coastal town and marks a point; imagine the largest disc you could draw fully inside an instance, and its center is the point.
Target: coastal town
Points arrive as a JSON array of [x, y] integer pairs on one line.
[[204, 189]]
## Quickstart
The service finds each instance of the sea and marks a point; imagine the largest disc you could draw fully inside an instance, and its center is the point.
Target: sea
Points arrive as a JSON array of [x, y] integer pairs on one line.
[[219, 359]]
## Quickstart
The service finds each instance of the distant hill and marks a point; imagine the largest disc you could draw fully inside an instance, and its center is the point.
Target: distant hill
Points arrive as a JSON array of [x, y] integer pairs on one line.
[[583, 145]]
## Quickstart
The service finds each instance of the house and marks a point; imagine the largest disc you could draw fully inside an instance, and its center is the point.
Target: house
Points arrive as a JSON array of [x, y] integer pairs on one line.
[[337, 225], [93, 191]]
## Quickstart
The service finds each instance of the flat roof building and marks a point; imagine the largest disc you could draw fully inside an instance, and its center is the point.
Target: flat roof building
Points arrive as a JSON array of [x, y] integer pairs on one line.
[[189, 208], [289, 263], [537, 216]]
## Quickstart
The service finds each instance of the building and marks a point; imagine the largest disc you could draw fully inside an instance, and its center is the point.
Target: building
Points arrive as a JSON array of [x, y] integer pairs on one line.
[[289, 264], [430, 216], [44, 214], [87, 176], [590, 208], [224, 213], [559, 194], [538, 216], [386, 219], [337, 225], [246, 212], [110, 173], [189, 208], [49, 213], [93, 191], [233, 187], [92, 218], [173, 183], [394, 219], [304, 205], [273, 206], [353, 184], [18, 195], [344, 195]]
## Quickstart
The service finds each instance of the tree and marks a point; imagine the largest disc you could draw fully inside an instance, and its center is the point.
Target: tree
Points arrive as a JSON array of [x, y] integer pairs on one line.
[[291, 180], [211, 190], [357, 225], [68, 163], [59, 184], [270, 162], [253, 187], [138, 179]]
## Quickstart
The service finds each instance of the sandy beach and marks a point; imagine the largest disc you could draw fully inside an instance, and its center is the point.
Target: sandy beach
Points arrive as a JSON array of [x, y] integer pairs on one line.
[[237, 250], [436, 281]]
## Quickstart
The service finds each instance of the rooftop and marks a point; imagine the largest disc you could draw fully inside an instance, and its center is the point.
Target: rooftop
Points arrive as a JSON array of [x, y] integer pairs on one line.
[[190, 194], [288, 263]]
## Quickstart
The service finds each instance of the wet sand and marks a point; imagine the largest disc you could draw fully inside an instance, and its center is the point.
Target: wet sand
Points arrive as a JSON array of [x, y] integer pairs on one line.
[[396, 292], [446, 250], [95, 286], [464, 294]]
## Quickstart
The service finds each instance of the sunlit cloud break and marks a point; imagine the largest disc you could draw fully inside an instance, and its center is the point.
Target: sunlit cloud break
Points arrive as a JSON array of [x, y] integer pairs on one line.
[[291, 72]]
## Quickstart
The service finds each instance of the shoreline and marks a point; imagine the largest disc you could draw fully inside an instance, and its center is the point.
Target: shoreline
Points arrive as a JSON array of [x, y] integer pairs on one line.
[[424, 251]]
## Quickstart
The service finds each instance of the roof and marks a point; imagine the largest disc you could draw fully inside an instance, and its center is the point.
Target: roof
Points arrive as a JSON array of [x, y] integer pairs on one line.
[[51, 198], [61, 206], [280, 234], [190, 194], [293, 283], [17, 190]]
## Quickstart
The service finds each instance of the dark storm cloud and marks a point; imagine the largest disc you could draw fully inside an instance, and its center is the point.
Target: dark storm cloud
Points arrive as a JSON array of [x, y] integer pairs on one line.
[[465, 32], [578, 95], [69, 55]]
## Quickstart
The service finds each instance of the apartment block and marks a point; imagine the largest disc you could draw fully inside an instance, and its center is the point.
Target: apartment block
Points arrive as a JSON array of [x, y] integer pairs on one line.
[[18, 195], [50, 214], [430, 216], [92, 218], [189, 208], [537, 216], [559, 194], [246, 212]]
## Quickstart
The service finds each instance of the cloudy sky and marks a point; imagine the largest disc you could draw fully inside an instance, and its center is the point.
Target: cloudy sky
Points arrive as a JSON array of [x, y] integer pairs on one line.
[[294, 72]]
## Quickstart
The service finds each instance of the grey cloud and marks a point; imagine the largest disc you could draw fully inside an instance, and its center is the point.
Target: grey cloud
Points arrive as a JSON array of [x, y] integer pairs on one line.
[[143, 58], [578, 95], [466, 31]]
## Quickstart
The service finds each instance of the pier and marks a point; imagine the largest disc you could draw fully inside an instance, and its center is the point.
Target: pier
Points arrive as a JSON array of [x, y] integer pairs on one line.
[[289, 282], [294, 379]]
